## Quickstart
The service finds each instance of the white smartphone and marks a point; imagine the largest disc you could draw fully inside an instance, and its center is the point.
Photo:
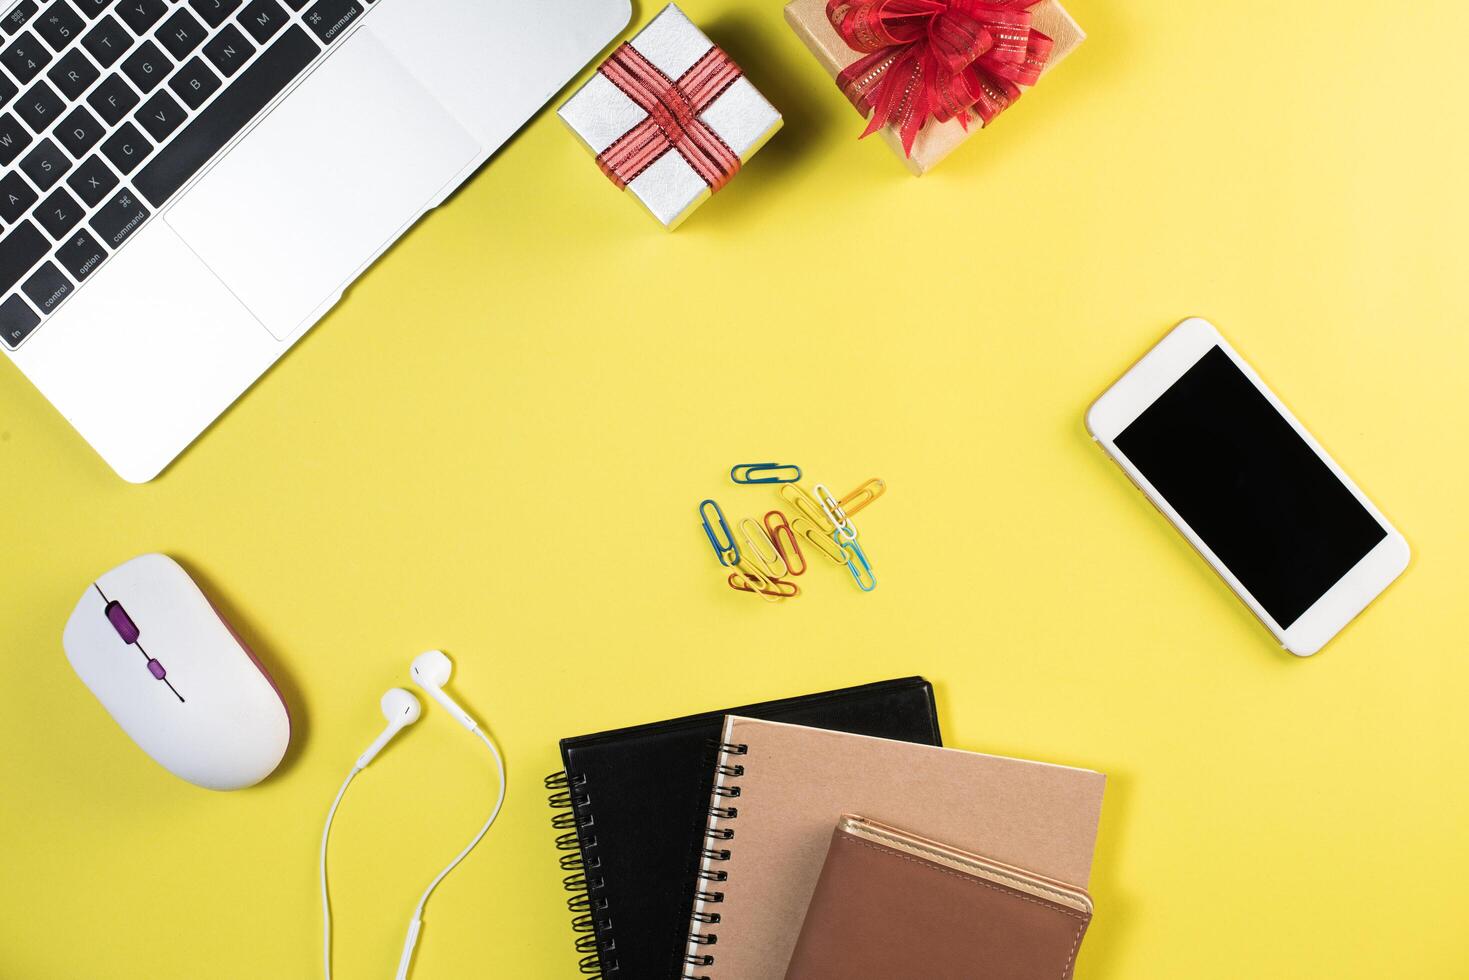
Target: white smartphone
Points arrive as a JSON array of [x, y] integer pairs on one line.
[[1219, 455]]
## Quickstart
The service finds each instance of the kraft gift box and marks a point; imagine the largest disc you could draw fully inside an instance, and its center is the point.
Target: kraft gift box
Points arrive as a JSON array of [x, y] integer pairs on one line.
[[936, 140], [670, 117]]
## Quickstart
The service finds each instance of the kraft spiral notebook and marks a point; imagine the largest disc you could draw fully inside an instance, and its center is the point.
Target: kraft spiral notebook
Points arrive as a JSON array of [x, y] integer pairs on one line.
[[632, 803], [780, 789]]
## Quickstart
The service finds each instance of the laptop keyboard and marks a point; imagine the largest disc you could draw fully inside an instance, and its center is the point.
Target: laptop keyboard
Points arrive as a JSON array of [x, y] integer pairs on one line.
[[107, 107]]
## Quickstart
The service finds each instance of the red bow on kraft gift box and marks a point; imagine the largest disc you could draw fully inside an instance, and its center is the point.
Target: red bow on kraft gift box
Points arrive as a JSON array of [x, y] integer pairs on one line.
[[936, 59]]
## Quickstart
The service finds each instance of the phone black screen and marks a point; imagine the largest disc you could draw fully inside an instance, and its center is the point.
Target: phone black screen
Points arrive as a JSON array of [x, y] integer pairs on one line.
[[1250, 486]]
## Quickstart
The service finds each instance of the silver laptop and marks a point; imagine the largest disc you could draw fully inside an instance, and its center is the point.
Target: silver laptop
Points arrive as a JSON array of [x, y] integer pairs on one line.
[[189, 185]]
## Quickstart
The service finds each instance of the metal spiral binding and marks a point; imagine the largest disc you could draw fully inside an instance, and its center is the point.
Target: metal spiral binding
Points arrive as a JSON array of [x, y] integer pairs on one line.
[[590, 921], [708, 852]]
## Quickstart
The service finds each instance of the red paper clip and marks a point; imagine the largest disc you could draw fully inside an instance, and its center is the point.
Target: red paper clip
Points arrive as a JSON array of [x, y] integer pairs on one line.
[[777, 586], [789, 548]]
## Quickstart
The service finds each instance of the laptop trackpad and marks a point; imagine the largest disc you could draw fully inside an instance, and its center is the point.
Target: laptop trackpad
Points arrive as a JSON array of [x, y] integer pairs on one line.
[[336, 171]]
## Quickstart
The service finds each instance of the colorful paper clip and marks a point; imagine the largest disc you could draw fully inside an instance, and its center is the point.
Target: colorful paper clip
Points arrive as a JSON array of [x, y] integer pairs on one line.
[[854, 554], [748, 578], [729, 554], [863, 495], [768, 473], [787, 551], [779, 588], [834, 513], [758, 541], [824, 541], [810, 509]]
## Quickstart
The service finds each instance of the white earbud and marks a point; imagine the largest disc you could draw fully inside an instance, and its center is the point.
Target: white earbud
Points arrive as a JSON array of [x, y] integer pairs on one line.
[[431, 671], [401, 709]]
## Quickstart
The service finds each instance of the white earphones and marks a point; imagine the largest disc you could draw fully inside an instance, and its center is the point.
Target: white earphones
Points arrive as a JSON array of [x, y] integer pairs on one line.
[[401, 709], [430, 671]]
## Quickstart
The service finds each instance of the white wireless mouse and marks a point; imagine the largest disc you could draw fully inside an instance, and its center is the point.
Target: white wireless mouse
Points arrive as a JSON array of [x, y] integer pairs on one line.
[[171, 672]]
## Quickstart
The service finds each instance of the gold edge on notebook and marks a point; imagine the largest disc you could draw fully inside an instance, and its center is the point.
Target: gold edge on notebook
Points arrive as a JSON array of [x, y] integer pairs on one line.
[[965, 863]]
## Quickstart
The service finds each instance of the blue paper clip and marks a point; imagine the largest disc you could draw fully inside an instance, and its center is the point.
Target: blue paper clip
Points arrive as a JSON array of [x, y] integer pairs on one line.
[[778, 473], [855, 554], [729, 554]]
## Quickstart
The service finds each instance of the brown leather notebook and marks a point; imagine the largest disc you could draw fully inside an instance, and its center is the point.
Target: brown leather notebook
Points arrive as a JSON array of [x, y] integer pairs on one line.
[[895, 905]]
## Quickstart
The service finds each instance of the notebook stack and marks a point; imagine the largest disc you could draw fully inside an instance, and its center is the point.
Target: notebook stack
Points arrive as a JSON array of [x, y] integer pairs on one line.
[[821, 837]]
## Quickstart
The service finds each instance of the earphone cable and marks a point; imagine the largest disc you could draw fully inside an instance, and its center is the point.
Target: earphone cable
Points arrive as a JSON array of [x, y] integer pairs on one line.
[[417, 923], [326, 907]]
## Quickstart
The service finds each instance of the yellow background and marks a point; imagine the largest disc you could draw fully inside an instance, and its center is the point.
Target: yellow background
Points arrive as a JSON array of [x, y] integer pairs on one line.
[[496, 445]]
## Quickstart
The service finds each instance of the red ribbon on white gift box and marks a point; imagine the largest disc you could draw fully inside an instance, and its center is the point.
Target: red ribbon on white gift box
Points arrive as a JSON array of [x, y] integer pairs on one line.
[[673, 123]]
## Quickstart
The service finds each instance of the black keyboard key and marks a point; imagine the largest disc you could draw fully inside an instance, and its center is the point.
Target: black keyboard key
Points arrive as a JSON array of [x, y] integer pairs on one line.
[[45, 165], [17, 320], [181, 33], [79, 131], [13, 138], [262, 18], [146, 66], [18, 17], [8, 89], [194, 83], [329, 18], [228, 50], [119, 218], [113, 99], [214, 12], [92, 8], [197, 142], [297, 4], [25, 57], [80, 254], [47, 287], [39, 107], [16, 196], [107, 41], [19, 250], [141, 14], [126, 148], [73, 74], [59, 213], [59, 24], [160, 115], [92, 180]]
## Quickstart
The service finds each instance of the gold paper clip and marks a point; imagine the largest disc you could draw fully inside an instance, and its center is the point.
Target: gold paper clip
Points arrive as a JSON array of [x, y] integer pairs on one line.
[[823, 541], [780, 533], [748, 578], [863, 495], [778, 587], [834, 513], [801, 500], [758, 542]]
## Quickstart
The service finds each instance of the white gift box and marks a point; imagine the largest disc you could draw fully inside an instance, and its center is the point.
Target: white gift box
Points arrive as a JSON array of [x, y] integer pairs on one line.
[[706, 118]]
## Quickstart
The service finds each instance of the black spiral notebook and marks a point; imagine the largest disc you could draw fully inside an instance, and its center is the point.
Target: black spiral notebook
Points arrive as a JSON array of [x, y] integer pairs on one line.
[[632, 805]]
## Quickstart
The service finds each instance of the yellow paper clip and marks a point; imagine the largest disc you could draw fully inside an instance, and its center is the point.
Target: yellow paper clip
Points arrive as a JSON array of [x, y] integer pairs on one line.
[[863, 495], [778, 587], [801, 500], [748, 578], [843, 527], [759, 542], [821, 541]]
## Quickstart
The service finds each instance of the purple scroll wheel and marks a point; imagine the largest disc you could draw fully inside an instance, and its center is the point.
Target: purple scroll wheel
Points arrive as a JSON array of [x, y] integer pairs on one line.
[[122, 622]]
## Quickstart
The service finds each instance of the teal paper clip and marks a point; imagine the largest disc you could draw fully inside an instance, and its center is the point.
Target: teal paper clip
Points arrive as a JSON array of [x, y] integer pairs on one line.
[[866, 581], [747, 473], [729, 554]]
